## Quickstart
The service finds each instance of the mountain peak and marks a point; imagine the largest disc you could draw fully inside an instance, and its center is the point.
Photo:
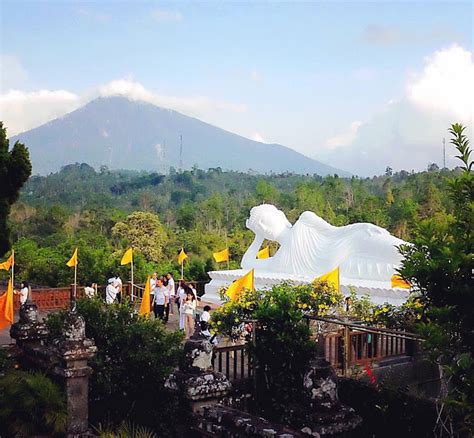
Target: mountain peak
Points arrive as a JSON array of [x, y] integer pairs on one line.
[[131, 134]]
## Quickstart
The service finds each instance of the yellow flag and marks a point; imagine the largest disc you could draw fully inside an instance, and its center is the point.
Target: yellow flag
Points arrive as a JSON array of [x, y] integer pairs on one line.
[[245, 282], [145, 305], [8, 263], [182, 256], [332, 278], [221, 256], [264, 253], [73, 261], [399, 282], [6, 307], [127, 258]]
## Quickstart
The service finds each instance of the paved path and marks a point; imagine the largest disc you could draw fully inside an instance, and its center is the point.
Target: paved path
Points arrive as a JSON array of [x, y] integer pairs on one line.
[[172, 324]]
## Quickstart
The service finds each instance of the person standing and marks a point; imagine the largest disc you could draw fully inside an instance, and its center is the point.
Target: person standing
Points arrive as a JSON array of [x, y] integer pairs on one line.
[[160, 300], [171, 291], [181, 300], [24, 292], [152, 286], [118, 285], [189, 309], [91, 291], [111, 291], [193, 289]]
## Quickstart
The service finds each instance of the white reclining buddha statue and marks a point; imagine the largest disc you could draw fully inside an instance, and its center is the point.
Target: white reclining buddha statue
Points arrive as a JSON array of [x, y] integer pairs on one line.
[[312, 247], [367, 255]]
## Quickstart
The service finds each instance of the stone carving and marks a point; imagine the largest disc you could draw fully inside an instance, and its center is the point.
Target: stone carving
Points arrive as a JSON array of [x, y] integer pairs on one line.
[[313, 247], [366, 255], [195, 379]]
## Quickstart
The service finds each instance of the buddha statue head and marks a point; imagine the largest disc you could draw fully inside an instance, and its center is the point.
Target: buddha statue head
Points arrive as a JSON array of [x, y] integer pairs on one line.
[[268, 222]]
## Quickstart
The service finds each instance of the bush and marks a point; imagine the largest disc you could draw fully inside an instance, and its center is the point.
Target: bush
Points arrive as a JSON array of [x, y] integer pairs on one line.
[[135, 355], [31, 404]]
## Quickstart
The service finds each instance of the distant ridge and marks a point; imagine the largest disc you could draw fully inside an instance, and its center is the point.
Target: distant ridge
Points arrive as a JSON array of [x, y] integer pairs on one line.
[[125, 134]]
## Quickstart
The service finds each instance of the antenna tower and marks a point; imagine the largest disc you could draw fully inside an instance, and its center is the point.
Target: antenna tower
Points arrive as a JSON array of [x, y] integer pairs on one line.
[[180, 152], [444, 153]]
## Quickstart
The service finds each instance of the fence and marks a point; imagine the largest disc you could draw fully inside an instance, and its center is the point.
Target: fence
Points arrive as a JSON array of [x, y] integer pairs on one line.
[[233, 361], [60, 297], [349, 344]]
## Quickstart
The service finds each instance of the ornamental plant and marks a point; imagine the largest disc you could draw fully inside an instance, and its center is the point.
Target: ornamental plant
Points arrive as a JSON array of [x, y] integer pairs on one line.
[[283, 346]]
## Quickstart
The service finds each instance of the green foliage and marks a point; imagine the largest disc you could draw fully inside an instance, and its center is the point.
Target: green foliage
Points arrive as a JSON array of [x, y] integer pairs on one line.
[[125, 430], [144, 232], [440, 264], [135, 356], [283, 344], [31, 404], [15, 169]]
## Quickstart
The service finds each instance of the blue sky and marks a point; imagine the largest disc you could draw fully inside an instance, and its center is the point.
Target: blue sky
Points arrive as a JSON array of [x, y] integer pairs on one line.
[[315, 76]]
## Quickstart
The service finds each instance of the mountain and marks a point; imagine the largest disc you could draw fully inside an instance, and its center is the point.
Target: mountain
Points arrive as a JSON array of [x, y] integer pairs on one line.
[[125, 134]]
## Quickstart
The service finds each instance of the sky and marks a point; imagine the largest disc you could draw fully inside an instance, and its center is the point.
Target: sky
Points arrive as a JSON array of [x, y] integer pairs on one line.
[[357, 85]]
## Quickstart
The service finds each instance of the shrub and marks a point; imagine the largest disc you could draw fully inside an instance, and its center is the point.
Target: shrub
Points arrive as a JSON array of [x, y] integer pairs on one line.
[[135, 355]]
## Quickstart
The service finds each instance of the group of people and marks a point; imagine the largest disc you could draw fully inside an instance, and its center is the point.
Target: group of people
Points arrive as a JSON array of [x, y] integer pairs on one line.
[[165, 297]]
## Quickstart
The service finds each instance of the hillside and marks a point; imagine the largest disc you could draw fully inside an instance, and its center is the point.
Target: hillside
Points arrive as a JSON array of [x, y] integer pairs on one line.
[[124, 134]]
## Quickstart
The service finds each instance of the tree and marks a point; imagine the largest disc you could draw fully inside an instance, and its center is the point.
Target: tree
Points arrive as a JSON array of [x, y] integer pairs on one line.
[[144, 232], [440, 265], [15, 169]]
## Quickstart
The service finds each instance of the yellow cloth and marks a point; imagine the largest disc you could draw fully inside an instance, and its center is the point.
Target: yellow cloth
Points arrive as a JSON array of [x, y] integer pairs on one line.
[[127, 258], [221, 256], [145, 305], [245, 282], [332, 278], [399, 282], [8, 263], [6, 307], [182, 256], [264, 253], [73, 261]]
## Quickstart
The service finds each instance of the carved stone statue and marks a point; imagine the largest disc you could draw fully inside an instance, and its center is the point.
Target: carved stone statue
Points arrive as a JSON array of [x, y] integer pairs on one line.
[[312, 247], [367, 255]]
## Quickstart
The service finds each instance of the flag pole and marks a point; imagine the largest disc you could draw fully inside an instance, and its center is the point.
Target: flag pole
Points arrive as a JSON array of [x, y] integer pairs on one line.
[[131, 265], [182, 269], [13, 269], [228, 254], [74, 291]]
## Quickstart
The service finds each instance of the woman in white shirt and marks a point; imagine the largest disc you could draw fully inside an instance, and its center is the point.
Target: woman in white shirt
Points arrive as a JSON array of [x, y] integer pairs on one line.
[[181, 299], [189, 308], [24, 292]]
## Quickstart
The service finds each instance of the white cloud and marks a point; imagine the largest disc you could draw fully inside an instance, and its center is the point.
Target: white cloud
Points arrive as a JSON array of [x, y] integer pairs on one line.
[[257, 137], [162, 15], [195, 105], [446, 83], [255, 76], [12, 72], [407, 133], [345, 138], [21, 110]]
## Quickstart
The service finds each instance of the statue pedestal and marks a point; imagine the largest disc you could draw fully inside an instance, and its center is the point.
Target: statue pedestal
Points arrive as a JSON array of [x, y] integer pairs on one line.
[[379, 291]]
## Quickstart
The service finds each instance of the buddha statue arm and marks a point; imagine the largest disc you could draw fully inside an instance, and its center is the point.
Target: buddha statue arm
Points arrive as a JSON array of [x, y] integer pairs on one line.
[[249, 260]]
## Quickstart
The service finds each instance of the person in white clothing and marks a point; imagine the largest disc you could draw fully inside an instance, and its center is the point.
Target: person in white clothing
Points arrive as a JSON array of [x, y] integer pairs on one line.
[[182, 299], [111, 291], [24, 292], [152, 286], [160, 300], [91, 291], [189, 309], [171, 291]]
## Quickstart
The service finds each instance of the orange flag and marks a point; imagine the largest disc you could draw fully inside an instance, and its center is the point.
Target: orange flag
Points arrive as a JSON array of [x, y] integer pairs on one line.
[[8, 263], [245, 282], [399, 282], [145, 305], [6, 307], [264, 253], [332, 278], [73, 260]]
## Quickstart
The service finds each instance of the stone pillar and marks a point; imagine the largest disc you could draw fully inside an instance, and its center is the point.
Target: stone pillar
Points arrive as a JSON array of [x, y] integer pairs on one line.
[[328, 416], [195, 379], [29, 332], [73, 350]]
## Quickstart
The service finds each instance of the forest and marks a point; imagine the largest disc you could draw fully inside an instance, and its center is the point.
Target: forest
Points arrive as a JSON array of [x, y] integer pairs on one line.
[[102, 212]]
